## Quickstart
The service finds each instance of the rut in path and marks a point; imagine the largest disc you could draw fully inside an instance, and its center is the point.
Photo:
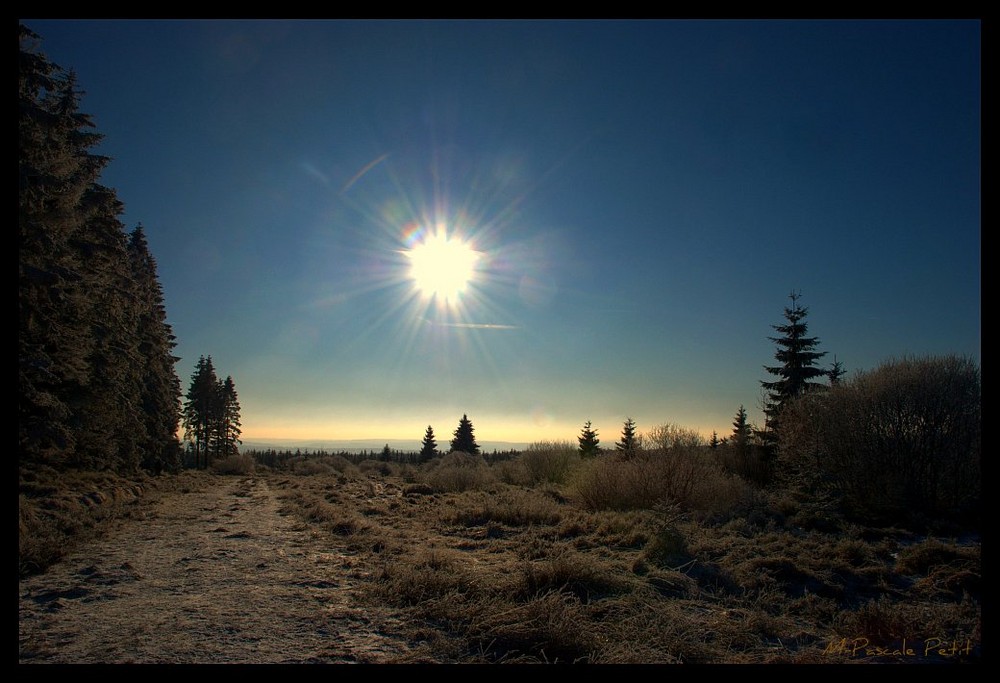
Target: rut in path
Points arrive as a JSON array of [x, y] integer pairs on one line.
[[220, 575]]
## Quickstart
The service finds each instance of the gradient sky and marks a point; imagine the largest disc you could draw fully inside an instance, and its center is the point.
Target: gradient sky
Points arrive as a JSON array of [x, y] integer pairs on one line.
[[643, 195]]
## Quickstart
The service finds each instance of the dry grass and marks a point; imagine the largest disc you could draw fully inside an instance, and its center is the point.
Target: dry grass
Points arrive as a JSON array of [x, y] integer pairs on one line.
[[524, 574], [513, 507], [56, 510], [485, 571]]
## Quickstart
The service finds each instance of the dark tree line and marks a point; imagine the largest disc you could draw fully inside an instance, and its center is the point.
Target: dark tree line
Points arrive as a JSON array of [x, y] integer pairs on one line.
[[96, 382]]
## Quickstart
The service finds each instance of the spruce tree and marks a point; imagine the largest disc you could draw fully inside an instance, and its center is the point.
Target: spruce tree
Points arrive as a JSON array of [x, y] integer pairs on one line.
[[428, 447], [200, 409], [225, 430], [741, 428], [589, 443], [797, 368], [627, 444], [836, 372], [465, 440], [160, 392], [80, 365], [55, 341], [112, 427]]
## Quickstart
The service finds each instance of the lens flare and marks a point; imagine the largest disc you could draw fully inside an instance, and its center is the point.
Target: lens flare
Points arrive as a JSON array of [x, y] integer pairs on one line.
[[442, 266]]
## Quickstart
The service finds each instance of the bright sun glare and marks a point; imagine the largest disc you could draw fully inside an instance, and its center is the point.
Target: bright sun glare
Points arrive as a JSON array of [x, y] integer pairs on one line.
[[442, 267]]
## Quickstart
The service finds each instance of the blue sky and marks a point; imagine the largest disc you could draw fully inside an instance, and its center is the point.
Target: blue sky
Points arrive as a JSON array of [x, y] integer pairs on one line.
[[642, 197]]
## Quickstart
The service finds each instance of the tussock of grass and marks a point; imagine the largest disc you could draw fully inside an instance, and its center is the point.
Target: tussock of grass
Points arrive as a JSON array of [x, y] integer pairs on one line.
[[512, 507], [421, 577], [886, 620], [585, 576], [667, 548], [627, 529], [944, 571], [669, 583], [552, 627], [929, 554], [337, 520]]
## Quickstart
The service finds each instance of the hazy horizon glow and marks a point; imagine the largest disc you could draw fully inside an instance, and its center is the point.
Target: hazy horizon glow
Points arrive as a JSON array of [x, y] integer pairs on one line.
[[639, 198]]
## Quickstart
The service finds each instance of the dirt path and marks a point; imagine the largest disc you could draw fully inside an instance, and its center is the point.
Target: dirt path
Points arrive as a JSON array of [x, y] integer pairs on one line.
[[215, 576]]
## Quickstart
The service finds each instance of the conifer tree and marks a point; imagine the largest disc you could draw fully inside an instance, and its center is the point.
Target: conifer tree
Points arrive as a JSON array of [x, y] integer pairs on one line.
[[836, 372], [160, 388], [797, 368], [741, 428], [200, 409], [55, 340], [627, 444], [428, 447], [464, 438], [81, 368], [225, 430], [112, 426], [589, 443]]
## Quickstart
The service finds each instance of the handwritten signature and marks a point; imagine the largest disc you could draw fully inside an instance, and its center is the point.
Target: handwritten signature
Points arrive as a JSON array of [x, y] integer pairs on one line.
[[927, 647]]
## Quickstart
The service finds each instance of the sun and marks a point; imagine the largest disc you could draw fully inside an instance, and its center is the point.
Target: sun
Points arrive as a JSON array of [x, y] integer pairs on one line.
[[442, 267]]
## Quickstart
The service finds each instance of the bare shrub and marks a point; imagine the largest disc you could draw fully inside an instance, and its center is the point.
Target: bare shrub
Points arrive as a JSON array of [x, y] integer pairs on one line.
[[379, 467], [668, 435], [689, 478], [323, 464], [610, 483], [549, 461], [309, 467], [339, 463], [751, 462], [512, 472], [904, 438], [457, 471], [234, 464]]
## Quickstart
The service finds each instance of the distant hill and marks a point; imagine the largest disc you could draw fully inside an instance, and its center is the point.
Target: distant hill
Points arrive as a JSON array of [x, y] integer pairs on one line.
[[358, 445]]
